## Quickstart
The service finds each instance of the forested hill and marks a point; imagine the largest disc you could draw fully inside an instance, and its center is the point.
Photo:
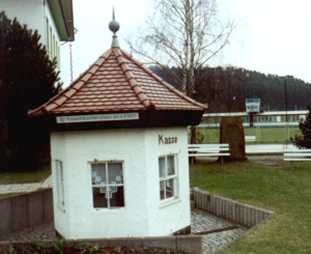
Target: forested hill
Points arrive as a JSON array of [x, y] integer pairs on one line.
[[225, 89]]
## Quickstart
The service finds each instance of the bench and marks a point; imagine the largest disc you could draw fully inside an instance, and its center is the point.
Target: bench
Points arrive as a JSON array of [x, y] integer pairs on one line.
[[250, 138], [297, 155], [208, 150]]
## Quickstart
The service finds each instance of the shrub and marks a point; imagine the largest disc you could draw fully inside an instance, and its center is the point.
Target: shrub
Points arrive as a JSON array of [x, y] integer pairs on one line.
[[304, 139]]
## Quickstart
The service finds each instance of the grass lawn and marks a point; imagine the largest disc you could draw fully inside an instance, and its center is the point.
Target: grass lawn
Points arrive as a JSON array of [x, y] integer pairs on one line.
[[24, 177], [284, 188], [263, 135]]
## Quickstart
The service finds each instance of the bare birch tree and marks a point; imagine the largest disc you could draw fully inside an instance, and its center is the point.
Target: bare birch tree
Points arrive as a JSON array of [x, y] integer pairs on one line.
[[185, 34]]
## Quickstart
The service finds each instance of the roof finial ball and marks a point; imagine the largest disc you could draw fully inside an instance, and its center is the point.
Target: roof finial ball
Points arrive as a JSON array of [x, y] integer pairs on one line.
[[114, 27]]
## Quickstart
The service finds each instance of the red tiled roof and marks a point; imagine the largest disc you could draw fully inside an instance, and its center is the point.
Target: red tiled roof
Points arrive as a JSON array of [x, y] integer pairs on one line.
[[117, 83]]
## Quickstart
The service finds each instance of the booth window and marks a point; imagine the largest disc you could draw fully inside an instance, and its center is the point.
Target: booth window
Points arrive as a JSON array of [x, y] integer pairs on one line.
[[168, 177], [107, 184], [60, 183]]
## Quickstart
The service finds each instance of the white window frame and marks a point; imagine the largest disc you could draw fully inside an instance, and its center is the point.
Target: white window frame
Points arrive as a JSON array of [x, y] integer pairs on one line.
[[107, 184], [168, 177], [60, 186]]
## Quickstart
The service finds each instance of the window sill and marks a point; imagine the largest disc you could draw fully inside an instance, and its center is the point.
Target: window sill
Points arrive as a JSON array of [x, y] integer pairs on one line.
[[169, 202]]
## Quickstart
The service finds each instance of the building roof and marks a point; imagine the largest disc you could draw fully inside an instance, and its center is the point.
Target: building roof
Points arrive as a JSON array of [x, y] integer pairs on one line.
[[117, 83], [62, 12]]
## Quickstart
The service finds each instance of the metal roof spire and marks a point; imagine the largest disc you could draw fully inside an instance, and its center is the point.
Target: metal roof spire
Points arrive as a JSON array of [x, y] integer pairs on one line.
[[114, 27]]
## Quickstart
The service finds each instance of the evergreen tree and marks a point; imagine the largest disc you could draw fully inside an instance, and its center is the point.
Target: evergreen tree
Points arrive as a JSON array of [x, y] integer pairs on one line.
[[304, 140], [27, 79]]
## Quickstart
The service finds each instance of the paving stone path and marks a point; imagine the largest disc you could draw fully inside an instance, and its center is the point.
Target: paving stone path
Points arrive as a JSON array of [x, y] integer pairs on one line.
[[202, 221]]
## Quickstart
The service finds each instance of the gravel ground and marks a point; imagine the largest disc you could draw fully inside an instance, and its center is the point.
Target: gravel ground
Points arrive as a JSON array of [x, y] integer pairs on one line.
[[202, 221], [212, 243]]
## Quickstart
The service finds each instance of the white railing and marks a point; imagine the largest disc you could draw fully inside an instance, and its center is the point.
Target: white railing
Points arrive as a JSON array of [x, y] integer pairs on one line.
[[208, 150], [289, 152], [260, 149], [297, 155]]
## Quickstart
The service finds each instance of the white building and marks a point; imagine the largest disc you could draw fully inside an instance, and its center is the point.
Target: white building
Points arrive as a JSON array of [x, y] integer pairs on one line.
[[119, 151], [52, 19]]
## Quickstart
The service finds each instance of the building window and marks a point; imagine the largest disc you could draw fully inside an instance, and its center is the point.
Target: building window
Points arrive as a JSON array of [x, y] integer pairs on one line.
[[50, 42], [60, 183], [108, 185], [53, 47], [168, 177], [57, 55], [47, 35]]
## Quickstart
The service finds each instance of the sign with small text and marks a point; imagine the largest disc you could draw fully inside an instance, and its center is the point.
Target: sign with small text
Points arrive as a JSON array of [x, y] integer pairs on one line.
[[252, 105], [97, 118]]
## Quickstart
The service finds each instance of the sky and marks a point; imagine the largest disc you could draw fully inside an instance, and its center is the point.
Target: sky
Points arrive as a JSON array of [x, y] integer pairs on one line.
[[270, 36]]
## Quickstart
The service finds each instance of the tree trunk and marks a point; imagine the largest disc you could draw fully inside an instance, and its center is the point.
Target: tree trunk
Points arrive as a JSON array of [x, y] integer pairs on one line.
[[232, 133]]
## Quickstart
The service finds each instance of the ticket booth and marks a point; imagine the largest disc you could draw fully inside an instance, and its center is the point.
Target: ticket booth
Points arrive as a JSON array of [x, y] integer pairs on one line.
[[119, 151]]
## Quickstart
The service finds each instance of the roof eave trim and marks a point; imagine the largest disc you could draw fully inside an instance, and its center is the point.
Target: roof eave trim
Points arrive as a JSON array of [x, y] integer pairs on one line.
[[65, 27]]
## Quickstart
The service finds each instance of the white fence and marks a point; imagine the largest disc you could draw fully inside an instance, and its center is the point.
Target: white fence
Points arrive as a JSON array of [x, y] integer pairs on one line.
[[297, 155], [290, 152], [253, 149], [208, 150]]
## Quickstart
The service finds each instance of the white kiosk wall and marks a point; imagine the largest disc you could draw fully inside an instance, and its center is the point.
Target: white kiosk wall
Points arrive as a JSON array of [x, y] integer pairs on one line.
[[143, 213], [167, 217]]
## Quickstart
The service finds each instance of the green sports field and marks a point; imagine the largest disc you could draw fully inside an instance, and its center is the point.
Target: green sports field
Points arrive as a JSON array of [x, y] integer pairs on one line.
[[271, 135]]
